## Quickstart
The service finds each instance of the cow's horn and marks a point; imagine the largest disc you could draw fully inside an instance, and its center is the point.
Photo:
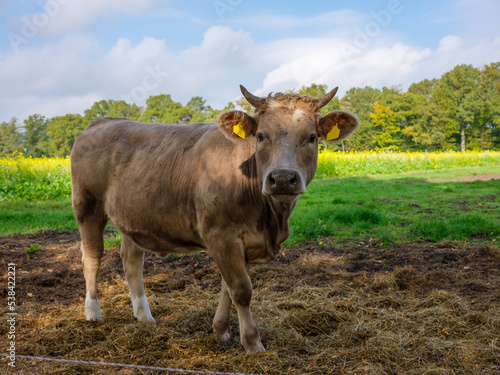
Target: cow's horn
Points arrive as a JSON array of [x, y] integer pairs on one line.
[[321, 102], [252, 99]]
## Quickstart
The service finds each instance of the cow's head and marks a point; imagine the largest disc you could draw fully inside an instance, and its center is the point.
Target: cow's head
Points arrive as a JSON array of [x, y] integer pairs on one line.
[[285, 129]]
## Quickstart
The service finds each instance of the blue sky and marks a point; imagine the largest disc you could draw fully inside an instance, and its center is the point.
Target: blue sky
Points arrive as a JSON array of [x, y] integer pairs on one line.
[[60, 56]]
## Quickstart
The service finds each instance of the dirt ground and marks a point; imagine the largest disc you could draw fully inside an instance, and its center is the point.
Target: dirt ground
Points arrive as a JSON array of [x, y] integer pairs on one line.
[[359, 308], [470, 178]]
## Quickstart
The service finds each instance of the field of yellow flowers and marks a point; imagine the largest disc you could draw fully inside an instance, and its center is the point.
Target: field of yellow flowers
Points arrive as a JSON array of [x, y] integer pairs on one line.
[[34, 179], [39, 179], [340, 164]]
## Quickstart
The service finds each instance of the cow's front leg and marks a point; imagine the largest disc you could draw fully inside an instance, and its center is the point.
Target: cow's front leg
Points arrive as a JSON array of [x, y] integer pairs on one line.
[[230, 259], [133, 264]]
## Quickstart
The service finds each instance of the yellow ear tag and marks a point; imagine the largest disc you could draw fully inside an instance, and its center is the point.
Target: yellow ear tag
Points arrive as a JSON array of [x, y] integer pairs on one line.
[[334, 133], [238, 130]]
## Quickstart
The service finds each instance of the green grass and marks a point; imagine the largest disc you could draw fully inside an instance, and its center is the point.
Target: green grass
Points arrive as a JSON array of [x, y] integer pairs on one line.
[[385, 209], [32, 249], [112, 238], [29, 217], [399, 208]]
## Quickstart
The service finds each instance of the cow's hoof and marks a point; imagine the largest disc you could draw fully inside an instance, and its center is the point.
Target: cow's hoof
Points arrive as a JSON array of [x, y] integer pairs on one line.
[[228, 344], [152, 321], [147, 317], [93, 317], [92, 310], [141, 309], [258, 347]]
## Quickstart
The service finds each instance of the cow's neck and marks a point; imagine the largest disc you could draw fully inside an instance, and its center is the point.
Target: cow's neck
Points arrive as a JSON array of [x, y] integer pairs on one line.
[[274, 214]]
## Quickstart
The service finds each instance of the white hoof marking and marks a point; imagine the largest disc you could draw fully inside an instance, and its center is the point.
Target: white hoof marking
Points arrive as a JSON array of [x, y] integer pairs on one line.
[[141, 309], [92, 309]]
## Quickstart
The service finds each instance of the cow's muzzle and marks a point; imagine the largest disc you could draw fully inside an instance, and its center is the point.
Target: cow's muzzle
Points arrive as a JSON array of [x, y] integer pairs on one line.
[[284, 184]]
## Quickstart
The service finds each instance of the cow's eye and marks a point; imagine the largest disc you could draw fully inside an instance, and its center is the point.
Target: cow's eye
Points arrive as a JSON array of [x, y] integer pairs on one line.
[[260, 137], [312, 138]]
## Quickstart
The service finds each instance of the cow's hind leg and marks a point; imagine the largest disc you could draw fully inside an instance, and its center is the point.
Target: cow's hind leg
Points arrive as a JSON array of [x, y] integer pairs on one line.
[[91, 222], [222, 317], [133, 264]]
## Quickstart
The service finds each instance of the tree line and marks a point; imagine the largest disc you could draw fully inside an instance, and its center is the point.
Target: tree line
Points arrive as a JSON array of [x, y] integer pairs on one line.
[[458, 111]]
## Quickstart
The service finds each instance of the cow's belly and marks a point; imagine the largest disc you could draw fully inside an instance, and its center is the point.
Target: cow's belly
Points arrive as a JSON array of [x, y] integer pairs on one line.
[[163, 227], [162, 235], [165, 246]]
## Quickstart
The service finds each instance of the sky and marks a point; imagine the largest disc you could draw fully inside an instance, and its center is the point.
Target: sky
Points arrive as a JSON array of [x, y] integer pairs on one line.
[[61, 56]]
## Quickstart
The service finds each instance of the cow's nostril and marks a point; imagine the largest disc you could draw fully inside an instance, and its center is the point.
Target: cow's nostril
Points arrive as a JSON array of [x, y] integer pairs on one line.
[[272, 179], [293, 178]]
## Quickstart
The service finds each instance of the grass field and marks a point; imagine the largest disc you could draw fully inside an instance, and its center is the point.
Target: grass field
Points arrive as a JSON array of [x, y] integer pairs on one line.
[[39, 179], [379, 196], [384, 273], [396, 208], [382, 208], [34, 179], [339, 164]]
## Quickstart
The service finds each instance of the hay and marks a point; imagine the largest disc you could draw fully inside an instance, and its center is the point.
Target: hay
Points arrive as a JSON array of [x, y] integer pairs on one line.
[[315, 316]]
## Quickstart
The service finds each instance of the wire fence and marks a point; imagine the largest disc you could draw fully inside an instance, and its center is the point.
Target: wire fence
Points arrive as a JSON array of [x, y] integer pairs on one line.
[[93, 363]]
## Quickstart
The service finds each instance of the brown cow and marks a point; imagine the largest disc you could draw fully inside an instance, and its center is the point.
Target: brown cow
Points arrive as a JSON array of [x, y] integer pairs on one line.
[[228, 188]]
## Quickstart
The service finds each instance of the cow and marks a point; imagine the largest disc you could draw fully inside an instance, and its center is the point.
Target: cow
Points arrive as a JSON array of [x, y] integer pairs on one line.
[[227, 187]]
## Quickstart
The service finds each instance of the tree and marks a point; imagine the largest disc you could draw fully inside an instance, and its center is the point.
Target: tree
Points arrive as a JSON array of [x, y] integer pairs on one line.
[[198, 110], [457, 93], [10, 138], [121, 108], [314, 91], [423, 123], [111, 108], [35, 136], [161, 108], [489, 94], [99, 109], [62, 132], [197, 103], [360, 101], [460, 109], [384, 127]]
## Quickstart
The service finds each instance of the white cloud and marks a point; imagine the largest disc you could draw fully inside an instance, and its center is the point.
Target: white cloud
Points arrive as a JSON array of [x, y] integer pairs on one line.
[[449, 43], [71, 75], [61, 16], [125, 65], [135, 72], [56, 68], [327, 65], [68, 75]]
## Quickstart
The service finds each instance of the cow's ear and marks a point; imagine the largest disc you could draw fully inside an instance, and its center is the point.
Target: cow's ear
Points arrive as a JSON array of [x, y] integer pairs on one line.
[[237, 124], [337, 125]]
